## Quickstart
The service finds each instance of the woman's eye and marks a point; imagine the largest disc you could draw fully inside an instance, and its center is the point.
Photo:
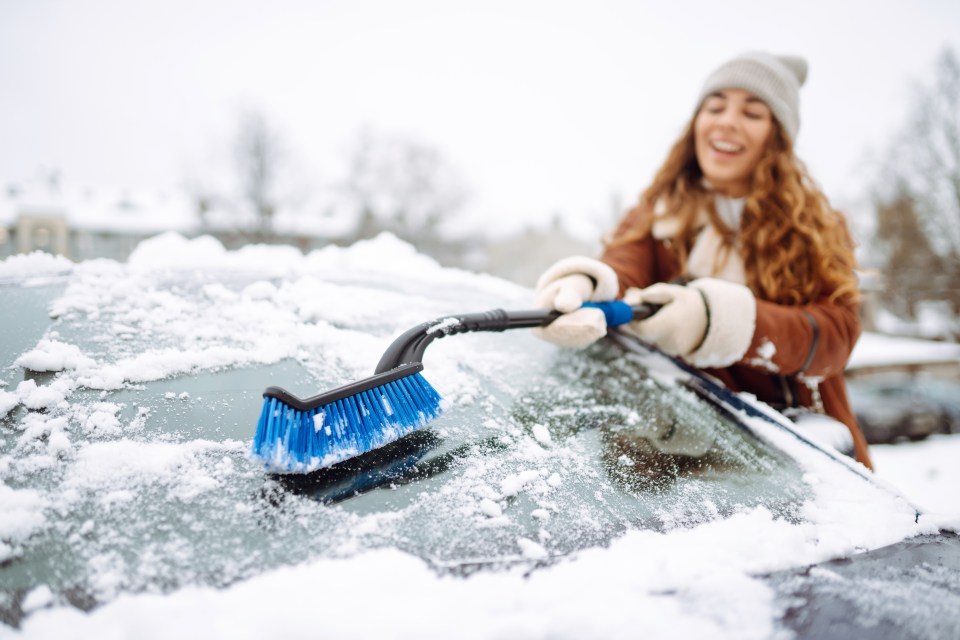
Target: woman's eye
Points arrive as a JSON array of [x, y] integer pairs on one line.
[[753, 115]]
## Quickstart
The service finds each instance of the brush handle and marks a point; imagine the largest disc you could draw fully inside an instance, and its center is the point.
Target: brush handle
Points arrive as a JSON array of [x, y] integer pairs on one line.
[[616, 312], [410, 346]]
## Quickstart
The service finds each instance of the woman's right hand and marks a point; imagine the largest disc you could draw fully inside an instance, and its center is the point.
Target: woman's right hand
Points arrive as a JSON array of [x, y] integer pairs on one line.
[[565, 286], [570, 282], [566, 294]]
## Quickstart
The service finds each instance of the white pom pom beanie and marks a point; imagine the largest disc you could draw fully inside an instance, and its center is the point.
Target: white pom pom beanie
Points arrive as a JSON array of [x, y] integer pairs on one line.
[[774, 79]]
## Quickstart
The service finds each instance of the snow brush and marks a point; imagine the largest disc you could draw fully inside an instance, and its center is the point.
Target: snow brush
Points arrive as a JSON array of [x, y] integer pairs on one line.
[[299, 435]]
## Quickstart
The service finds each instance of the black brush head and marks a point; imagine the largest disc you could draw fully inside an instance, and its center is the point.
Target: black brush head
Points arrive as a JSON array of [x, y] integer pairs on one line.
[[352, 389]]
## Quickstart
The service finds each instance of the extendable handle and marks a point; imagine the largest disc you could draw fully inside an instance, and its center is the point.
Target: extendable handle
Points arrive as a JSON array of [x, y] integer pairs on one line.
[[616, 313], [410, 346]]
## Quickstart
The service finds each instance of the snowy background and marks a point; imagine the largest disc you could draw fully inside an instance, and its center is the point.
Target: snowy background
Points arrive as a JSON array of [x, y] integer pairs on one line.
[[543, 108]]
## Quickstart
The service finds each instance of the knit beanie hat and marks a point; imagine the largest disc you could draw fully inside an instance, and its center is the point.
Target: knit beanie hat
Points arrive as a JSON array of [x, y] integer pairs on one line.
[[774, 79]]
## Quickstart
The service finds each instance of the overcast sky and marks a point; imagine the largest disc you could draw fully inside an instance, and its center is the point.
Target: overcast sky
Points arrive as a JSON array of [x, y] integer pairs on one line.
[[542, 107]]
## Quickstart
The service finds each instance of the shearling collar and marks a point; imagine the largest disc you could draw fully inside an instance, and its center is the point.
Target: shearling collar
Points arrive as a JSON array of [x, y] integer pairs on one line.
[[666, 224], [709, 256]]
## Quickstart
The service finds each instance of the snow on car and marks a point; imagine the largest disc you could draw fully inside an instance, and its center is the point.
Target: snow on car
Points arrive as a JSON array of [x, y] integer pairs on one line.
[[604, 493]]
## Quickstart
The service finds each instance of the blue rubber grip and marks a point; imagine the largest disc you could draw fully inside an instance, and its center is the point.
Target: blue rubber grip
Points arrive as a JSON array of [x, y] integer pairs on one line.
[[617, 312]]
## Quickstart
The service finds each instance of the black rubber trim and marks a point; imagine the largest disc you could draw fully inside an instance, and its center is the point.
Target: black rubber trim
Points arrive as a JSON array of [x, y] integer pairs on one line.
[[352, 389], [706, 332]]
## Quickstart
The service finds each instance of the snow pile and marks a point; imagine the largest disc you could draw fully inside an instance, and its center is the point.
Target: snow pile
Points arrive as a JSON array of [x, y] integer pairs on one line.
[[173, 250], [713, 601], [926, 472], [102, 466], [33, 265], [262, 323], [8, 401], [53, 355], [22, 515], [689, 583], [383, 255]]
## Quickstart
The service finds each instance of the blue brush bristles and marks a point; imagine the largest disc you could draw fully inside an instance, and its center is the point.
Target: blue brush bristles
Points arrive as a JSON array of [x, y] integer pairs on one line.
[[298, 440]]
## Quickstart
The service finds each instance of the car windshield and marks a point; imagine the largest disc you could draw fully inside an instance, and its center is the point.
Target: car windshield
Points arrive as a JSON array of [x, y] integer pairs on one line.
[[131, 396]]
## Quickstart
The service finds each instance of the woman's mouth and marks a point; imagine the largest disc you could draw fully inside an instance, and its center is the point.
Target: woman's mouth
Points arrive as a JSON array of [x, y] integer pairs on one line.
[[725, 146]]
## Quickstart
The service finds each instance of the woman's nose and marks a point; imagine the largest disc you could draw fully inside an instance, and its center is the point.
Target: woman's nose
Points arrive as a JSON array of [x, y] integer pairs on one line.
[[727, 117]]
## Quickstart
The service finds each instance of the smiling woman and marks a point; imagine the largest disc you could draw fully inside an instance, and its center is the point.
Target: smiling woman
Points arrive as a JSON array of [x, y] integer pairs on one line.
[[731, 132], [754, 269]]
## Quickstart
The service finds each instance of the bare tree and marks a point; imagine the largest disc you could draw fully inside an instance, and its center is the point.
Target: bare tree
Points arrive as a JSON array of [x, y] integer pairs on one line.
[[259, 156], [918, 194], [402, 186], [935, 156], [914, 271]]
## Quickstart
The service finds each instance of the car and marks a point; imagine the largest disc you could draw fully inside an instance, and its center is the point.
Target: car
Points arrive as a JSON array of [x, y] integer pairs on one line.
[[943, 392], [892, 407], [609, 492], [886, 417]]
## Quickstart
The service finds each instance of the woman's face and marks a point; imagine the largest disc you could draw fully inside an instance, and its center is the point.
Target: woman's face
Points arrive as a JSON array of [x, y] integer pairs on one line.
[[730, 133]]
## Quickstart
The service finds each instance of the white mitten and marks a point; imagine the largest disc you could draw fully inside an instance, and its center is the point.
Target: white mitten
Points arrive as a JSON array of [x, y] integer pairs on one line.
[[733, 319], [566, 294], [710, 322], [572, 281], [565, 286], [680, 326], [576, 329]]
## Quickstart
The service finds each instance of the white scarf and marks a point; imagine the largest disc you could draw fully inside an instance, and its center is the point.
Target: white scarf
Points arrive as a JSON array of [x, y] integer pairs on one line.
[[704, 259]]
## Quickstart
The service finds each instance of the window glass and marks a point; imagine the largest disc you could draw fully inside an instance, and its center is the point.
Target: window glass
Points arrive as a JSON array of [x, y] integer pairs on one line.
[[541, 452]]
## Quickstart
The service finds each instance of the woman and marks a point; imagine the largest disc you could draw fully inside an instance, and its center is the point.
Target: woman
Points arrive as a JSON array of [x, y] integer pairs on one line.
[[754, 268]]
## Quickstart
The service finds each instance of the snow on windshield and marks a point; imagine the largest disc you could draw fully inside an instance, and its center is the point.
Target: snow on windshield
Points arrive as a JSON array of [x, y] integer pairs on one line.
[[128, 489]]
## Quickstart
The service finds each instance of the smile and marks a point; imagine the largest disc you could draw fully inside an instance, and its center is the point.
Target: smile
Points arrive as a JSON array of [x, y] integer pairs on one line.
[[726, 147]]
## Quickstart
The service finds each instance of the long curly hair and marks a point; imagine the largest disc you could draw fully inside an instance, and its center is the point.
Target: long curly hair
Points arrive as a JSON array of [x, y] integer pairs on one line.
[[795, 247]]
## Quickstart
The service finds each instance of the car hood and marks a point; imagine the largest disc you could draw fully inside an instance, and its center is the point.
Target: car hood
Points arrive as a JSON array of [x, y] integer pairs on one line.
[[910, 589]]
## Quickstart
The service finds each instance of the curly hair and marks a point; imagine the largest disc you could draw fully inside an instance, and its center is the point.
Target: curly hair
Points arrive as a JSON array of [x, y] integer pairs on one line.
[[796, 248]]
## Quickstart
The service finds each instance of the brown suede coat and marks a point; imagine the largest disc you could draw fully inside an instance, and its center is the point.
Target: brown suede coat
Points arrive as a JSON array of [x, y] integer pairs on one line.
[[785, 378]]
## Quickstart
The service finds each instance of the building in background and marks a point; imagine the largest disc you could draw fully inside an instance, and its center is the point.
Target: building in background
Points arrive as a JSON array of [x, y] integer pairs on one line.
[[82, 223]]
